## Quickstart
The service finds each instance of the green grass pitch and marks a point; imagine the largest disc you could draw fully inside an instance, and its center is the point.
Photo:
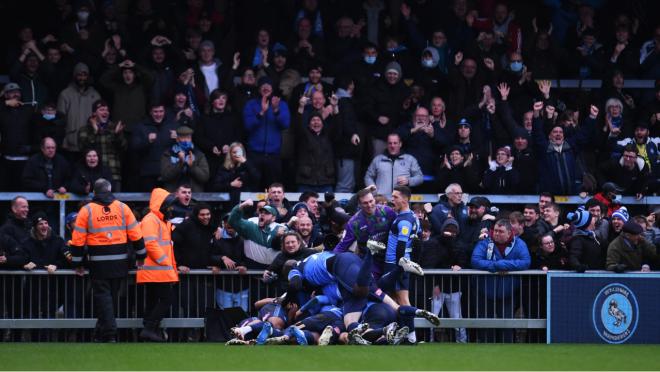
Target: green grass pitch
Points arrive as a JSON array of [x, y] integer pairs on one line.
[[63, 356]]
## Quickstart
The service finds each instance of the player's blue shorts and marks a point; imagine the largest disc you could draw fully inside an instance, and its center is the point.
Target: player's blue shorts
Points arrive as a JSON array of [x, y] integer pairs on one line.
[[402, 282], [379, 315], [270, 310]]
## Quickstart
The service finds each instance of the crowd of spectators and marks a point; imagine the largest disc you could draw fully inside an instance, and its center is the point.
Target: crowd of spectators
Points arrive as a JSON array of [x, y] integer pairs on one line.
[[311, 94]]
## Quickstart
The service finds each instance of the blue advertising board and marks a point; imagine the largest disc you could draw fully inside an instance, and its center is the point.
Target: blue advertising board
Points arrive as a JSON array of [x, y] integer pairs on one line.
[[603, 308]]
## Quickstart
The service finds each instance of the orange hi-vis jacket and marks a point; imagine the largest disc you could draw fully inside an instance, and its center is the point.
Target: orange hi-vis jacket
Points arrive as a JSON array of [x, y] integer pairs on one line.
[[106, 226], [159, 266]]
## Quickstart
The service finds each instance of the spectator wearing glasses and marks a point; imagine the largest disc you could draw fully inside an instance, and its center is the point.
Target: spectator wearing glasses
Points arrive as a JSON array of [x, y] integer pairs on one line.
[[424, 141], [629, 172], [450, 203]]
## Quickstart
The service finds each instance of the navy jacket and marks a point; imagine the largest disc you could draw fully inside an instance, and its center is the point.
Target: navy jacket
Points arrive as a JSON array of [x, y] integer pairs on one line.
[[561, 174]]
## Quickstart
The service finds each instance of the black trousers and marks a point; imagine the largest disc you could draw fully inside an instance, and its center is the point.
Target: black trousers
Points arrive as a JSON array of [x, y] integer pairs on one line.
[[105, 293], [159, 301]]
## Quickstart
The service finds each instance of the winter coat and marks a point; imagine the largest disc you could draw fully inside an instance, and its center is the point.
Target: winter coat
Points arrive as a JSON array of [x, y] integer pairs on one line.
[[77, 108], [193, 244], [531, 234], [15, 229], [622, 252], [466, 176], [585, 249], [84, 175], [385, 169], [109, 144], [16, 256], [16, 131], [525, 163], [442, 210], [385, 99], [35, 174], [174, 174], [486, 256], [652, 151], [316, 160], [426, 150], [557, 260], [49, 251], [43, 128], [130, 101], [468, 237], [347, 125], [500, 179], [264, 133], [224, 177], [217, 130], [230, 247], [150, 153], [632, 181], [561, 174]]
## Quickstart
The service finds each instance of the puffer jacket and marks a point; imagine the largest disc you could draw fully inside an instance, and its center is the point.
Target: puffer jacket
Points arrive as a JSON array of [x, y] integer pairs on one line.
[[486, 256], [385, 169]]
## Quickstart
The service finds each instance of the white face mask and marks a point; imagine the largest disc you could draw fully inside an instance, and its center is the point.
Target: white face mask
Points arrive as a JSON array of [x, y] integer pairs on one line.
[[427, 63], [83, 15]]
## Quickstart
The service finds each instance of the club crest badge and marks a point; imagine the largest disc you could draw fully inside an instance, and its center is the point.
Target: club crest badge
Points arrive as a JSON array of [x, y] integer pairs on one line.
[[615, 313]]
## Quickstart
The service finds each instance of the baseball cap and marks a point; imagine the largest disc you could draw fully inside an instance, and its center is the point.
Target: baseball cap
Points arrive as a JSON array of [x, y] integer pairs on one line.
[[479, 201], [269, 209], [11, 87]]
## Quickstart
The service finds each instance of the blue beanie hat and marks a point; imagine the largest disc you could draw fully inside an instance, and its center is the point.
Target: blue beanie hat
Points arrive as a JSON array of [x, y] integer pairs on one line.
[[70, 217], [621, 213], [580, 218]]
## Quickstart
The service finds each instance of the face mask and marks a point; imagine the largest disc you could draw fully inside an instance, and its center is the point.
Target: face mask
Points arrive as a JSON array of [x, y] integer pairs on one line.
[[516, 66], [370, 60], [83, 15], [186, 146], [48, 116], [427, 63]]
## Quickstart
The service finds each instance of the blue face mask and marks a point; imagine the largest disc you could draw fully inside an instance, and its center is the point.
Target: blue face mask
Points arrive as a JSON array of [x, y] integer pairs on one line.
[[516, 66], [186, 146], [48, 116], [428, 63], [370, 60]]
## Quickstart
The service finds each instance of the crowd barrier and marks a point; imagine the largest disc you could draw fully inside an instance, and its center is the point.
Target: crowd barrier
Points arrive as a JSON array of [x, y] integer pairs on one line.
[[40, 301], [61, 201]]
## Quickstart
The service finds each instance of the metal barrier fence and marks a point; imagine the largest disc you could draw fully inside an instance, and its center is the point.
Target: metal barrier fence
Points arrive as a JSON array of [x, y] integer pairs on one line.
[[477, 305], [63, 199]]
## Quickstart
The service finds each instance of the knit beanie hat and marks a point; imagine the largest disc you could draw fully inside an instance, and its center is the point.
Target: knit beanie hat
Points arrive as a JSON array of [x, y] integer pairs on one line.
[[621, 213], [38, 217], [580, 218], [393, 66]]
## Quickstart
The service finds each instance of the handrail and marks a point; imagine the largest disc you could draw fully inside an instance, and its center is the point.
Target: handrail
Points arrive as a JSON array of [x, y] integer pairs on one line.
[[259, 272], [421, 198]]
